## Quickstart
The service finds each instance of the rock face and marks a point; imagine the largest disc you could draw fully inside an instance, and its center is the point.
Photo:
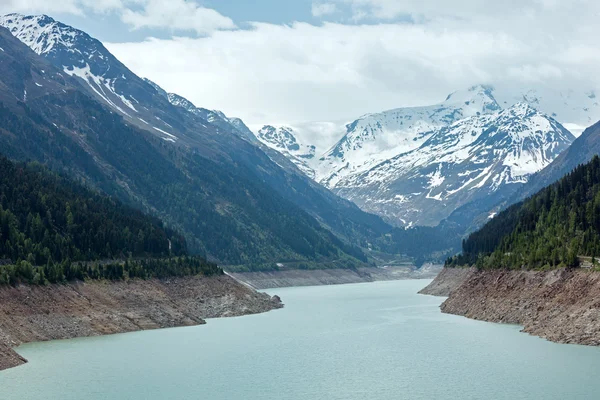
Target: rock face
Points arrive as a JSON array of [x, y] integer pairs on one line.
[[38, 313], [446, 281], [561, 305]]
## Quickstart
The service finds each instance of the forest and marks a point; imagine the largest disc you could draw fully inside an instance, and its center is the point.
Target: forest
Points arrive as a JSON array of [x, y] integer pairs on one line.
[[551, 229], [51, 228], [225, 212]]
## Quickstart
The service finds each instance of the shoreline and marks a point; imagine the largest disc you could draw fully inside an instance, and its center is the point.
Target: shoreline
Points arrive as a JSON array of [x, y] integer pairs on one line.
[[561, 305], [297, 278], [82, 309]]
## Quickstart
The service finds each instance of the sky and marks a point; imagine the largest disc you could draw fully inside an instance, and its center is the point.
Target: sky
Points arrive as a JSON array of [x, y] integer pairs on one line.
[[287, 61]]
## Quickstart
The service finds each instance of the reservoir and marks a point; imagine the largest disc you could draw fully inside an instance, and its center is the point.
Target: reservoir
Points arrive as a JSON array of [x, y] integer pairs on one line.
[[376, 341]]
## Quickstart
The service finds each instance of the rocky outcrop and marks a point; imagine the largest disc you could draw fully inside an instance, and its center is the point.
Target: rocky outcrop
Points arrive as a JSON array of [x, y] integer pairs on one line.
[[297, 277], [447, 280], [38, 313], [561, 305]]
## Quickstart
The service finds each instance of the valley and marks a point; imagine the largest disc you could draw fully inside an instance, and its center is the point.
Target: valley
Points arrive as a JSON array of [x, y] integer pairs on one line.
[[130, 202]]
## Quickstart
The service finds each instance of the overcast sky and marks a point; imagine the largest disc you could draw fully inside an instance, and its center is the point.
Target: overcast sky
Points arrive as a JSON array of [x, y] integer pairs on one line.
[[281, 61]]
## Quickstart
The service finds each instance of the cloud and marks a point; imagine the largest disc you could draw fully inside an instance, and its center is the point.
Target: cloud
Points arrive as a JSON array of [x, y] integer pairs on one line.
[[172, 15], [321, 9], [75, 7], [287, 73], [41, 6], [478, 12], [402, 53], [176, 15]]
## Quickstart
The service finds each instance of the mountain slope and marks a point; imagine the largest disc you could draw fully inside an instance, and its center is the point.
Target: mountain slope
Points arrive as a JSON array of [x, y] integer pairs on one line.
[[224, 209], [474, 158], [222, 142], [216, 118], [550, 229], [283, 140], [374, 138], [103, 76], [55, 230], [582, 150]]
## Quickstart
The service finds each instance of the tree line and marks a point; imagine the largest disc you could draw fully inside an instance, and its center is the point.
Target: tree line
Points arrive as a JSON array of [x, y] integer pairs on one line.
[[51, 228], [553, 228]]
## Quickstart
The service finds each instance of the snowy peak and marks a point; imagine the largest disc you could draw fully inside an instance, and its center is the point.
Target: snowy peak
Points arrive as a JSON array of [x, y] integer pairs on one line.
[[480, 98], [481, 157], [24, 76], [79, 55], [214, 117], [576, 110], [285, 140], [40, 32], [179, 101], [377, 137]]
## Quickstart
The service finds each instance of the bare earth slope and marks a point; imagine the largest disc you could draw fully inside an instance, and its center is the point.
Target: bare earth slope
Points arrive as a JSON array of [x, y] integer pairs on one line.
[[38, 313], [297, 277], [561, 305]]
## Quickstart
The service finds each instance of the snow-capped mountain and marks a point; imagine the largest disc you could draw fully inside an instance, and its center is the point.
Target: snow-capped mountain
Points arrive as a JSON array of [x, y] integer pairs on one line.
[[376, 137], [106, 78], [479, 156], [214, 117], [284, 140], [576, 110], [215, 186]]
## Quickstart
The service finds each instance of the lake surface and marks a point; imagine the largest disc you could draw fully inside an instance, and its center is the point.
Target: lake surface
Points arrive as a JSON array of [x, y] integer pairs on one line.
[[365, 341]]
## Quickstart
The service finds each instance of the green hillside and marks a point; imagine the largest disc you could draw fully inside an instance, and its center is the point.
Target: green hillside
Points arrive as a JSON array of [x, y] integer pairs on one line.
[[553, 228], [53, 229]]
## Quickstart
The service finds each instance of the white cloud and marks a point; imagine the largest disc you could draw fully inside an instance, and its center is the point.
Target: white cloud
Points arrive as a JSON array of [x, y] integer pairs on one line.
[[173, 15], [462, 10], [76, 7], [322, 9], [296, 72], [40, 6], [279, 73], [102, 6], [176, 15]]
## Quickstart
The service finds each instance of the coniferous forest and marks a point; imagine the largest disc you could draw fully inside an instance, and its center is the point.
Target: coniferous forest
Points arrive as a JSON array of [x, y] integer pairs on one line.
[[553, 228], [53, 229]]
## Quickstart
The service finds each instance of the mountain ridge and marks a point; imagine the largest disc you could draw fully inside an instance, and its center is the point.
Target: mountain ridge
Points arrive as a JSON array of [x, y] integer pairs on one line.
[[474, 157]]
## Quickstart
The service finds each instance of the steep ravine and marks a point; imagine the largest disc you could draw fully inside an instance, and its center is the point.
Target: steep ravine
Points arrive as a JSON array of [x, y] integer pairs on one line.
[[562, 305], [38, 313]]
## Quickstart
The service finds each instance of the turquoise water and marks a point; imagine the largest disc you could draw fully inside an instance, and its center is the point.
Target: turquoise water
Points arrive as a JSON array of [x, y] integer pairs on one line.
[[365, 341]]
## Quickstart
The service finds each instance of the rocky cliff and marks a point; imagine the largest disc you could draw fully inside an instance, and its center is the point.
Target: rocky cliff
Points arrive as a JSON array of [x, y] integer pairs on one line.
[[38, 313], [561, 305]]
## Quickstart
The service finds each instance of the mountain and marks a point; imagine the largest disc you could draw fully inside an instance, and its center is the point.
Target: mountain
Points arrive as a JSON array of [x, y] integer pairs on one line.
[[214, 117], [54, 229], [581, 151], [103, 76], [229, 198], [575, 109], [284, 140], [374, 138], [553, 228], [487, 156]]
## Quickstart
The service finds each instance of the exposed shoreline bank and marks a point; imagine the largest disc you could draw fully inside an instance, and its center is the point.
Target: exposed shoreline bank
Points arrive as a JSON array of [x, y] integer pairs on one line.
[[562, 305], [289, 278], [80, 309]]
